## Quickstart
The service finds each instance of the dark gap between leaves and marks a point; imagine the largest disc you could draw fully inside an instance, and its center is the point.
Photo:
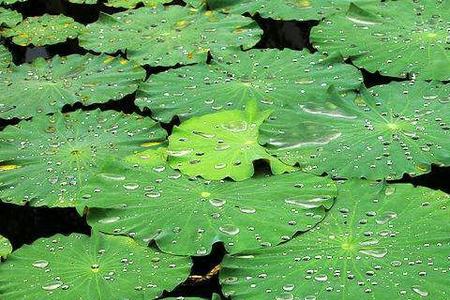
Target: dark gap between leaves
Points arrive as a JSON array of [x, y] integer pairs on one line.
[[201, 283], [285, 34], [437, 179], [25, 224]]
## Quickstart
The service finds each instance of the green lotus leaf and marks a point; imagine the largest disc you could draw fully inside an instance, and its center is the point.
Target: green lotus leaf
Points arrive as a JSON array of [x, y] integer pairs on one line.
[[44, 30], [48, 160], [9, 2], [285, 9], [195, 3], [171, 35], [96, 267], [46, 86], [186, 216], [382, 133], [221, 145], [5, 58], [379, 241], [9, 18], [274, 78], [397, 38], [5, 247], [133, 3]]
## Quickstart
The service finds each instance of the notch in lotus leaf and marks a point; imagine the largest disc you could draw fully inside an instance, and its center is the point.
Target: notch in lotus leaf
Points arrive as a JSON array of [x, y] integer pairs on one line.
[[44, 30], [221, 145], [144, 198], [168, 36], [96, 267], [382, 133], [46, 86], [46, 161], [395, 38], [379, 241], [262, 75]]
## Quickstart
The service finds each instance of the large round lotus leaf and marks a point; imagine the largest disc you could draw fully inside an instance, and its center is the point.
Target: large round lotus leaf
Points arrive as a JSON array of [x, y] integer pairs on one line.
[[273, 78], [5, 248], [397, 38], [171, 35], [378, 242], [133, 3], [391, 130], [46, 86], [186, 216], [47, 161], [44, 30], [5, 59], [96, 267], [283, 9], [9, 18], [221, 145]]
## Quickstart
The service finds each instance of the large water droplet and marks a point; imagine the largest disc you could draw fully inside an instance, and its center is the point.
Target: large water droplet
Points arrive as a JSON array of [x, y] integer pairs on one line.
[[217, 202], [386, 217], [51, 286], [41, 264], [420, 291], [229, 229], [378, 253], [109, 220]]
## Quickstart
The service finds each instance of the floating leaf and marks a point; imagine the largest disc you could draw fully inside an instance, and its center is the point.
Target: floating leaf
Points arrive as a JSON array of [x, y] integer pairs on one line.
[[274, 78], [168, 36], [379, 241], [83, 1], [284, 9], [9, 2], [47, 161], [9, 18], [44, 30], [96, 267], [133, 3], [398, 37], [221, 145], [394, 129], [186, 216], [46, 86], [5, 59], [5, 248]]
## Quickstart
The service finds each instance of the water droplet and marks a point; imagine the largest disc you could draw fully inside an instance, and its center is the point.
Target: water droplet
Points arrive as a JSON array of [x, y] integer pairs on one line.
[[41, 264], [115, 177], [217, 202], [321, 277], [229, 229], [131, 186], [109, 220], [386, 217], [52, 285], [220, 166], [247, 210], [378, 253], [420, 291], [152, 194], [307, 203], [235, 126]]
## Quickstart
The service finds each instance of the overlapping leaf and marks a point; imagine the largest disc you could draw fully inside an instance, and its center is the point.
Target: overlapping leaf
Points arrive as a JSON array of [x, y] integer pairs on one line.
[[221, 145], [46, 86], [133, 3], [44, 30], [48, 160], [168, 36], [379, 241], [273, 78], [5, 247], [283, 9], [96, 267], [397, 38], [9, 18], [145, 199], [8, 2], [5, 58], [394, 129]]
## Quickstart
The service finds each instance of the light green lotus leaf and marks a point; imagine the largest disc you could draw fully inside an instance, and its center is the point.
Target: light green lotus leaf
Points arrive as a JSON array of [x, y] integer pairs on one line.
[[9, 18], [195, 3], [378, 242], [143, 198], [5, 248], [46, 86], [44, 30], [171, 35], [133, 3], [96, 267], [397, 38], [221, 145], [382, 133], [48, 160], [274, 78], [9, 2], [5, 58], [285, 9]]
